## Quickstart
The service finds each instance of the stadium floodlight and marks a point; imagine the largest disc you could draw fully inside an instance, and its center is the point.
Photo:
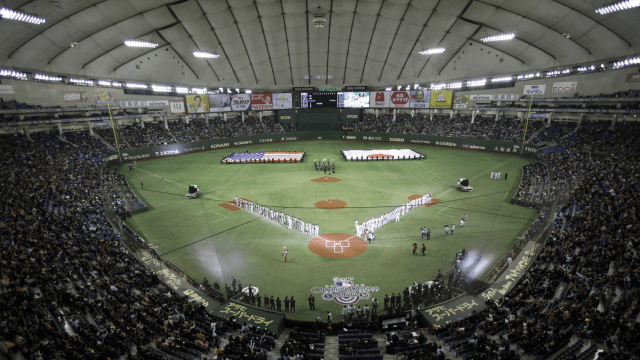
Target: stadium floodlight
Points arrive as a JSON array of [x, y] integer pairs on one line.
[[161, 88], [136, 86], [388, 88], [432, 51], [20, 16], [81, 82], [502, 79], [206, 55], [455, 85], [437, 87], [116, 84], [104, 83], [618, 6], [474, 83], [48, 78], [14, 74], [139, 43], [228, 91], [500, 37], [221, 89], [408, 87], [237, 90], [399, 87], [182, 90], [416, 86], [199, 90], [247, 91]]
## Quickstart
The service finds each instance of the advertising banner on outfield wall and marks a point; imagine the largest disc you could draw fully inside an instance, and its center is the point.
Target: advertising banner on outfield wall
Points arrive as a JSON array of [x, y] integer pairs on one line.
[[534, 89], [460, 101], [197, 103], [240, 102], [144, 103], [219, 103], [506, 97], [282, 101], [261, 102], [177, 106], [441, 99], [564, 87], [6, 90], [379, 99], [420, 99], [400, 99], [538, 115], [633, 77], [481, 97], [75, 96], [104, 97]]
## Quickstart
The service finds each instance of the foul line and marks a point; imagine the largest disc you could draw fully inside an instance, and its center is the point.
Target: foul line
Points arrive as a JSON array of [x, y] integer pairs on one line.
[[444, 210]]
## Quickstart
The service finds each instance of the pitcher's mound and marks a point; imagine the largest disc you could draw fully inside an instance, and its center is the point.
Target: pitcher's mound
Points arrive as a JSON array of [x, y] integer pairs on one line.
[[337, 245], [331, 204], [325, 179], [433, 201]]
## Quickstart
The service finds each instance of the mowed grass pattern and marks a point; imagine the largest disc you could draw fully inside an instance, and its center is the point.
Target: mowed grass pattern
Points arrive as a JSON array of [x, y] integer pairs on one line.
[[206, 240]]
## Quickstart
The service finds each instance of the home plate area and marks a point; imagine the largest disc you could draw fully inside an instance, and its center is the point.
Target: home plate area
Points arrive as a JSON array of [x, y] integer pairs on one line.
[[337, 245]]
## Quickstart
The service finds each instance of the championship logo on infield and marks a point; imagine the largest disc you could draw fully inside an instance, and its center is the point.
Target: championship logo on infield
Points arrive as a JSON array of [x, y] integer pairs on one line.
[[344, 291]]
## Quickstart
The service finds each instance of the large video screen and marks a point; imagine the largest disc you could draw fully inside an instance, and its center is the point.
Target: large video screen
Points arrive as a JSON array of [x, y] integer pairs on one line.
[[319, 100], [356, 99]]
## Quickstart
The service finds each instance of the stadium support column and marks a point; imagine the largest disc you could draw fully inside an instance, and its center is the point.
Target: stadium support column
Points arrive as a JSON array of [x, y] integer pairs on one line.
[[260, 114], [206, 118], [497, 115], [26, 133], [90, 125], [394, 115], [141, 122], [166, 125], [613, 121], [242, 117], [451, 114], [473, 116], [60, 129]]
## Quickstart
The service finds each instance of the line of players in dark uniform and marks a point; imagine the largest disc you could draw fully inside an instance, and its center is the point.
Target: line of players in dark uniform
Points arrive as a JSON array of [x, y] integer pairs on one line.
[[325, 165]]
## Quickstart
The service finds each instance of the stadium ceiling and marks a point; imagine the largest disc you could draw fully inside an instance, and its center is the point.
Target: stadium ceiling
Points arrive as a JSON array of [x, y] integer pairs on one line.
[[274, 44]]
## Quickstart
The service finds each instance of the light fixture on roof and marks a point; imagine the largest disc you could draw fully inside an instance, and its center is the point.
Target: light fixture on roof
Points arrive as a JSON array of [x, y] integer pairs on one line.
[[136, 86], [247, 91], [199, 90], [104, 83], [618, 6], [474, 83], [20, 16], [84, 82], [502, 79], [318, 19], [455, 85], [388, 88], [626, 62], [182, 90], [139, 43], [116, 84], [416, 86], [399, 87], [408, 87], [14, 74], [48, 78], [228, 91], [206, 55], [438, 86], [161, 88], [500, 37], [432, 51]]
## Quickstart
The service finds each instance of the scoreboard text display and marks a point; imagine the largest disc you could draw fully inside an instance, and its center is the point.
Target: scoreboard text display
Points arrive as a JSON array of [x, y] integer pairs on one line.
[[319, 100]]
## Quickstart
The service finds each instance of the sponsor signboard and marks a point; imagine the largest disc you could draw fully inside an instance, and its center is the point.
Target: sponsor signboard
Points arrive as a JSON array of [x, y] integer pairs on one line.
[[399, 99], [219, 102], [282, 100], [480, 97], [101, 123], [6, 89], [460, 101], [441, 99], [506, 97], [197, 103], [240, 102], [379, 99], [420, 99], [104, 97], [534, 89], [355, 99], [75, 96], [633, 77], [261, 102], [345, 291], [538, 115], [177, 106], [144, 103], [564, 87]]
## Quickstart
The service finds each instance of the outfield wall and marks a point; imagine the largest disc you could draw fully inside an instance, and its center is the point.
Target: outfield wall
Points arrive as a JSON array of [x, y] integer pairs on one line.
[[402, 140]]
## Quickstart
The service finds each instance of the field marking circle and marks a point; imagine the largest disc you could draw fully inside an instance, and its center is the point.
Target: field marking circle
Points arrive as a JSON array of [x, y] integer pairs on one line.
[[337, 245]]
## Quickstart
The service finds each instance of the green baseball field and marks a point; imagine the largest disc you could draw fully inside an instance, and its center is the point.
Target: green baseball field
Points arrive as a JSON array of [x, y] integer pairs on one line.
[[207, 238]]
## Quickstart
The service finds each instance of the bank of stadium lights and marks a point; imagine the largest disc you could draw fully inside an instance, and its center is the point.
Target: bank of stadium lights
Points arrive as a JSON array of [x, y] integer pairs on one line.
[[228, 91], [455, 85], [247, 91], [416, 86], [238, 90], [388, 88], [47, 78], [84, 82], [502, 79], [182, 90], [13, 74], [161, 88], [139, 43], [528, 76], [474, 83], [20, 16], [432, 51], [136, 86], [618, 6], [627, 62], [205, 55], [587, 68], [408, 87], [501, 37], [437, 87], [200, 91]]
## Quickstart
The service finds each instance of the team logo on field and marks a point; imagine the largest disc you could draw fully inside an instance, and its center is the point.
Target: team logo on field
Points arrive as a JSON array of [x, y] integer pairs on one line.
[[345, 291]]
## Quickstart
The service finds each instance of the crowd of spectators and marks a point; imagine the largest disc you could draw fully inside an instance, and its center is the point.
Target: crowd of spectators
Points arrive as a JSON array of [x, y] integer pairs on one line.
[[371, 123]]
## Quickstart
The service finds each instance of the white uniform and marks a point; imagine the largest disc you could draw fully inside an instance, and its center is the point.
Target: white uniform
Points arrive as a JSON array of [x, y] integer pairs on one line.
[[492, 173], [498, 176]]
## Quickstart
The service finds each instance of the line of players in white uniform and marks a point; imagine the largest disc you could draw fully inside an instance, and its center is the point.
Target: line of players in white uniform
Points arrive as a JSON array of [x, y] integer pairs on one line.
[[281, 218], [376, 222], [495, 175]]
